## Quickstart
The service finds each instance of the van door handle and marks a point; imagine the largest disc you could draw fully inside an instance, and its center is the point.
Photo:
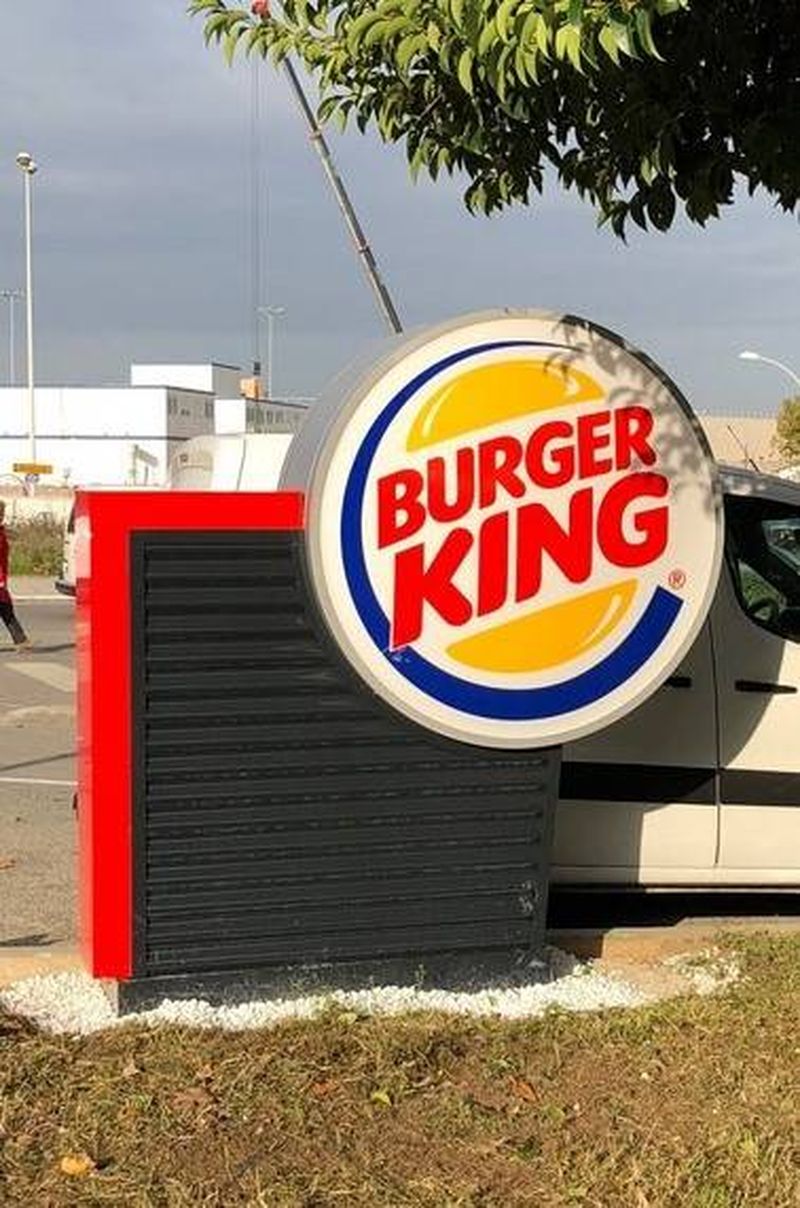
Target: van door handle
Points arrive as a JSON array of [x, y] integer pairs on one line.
[[679, 681], [745, 685]]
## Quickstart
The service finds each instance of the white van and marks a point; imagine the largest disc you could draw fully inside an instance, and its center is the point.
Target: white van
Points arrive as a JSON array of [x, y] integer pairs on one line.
[[700, 786], [241, 462]]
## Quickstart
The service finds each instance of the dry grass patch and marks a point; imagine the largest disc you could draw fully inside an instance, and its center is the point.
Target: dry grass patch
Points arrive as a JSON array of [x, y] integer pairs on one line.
[[35, 546], [690, 1102]]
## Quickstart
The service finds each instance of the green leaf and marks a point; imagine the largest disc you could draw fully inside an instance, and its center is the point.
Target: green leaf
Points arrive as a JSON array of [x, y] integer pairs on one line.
[[647, 170], [503, 18], [359, 27], [637, 211], [608, 41], [527, 63], [575, 12], [543, 37], [488, 37], [645, 33], [475, 197], [376, 32], [230, 43], [408, 48], [501, 79], [457, 12], [661, 206], [434, 35], [568, 45], [465, 70], [621, 37]]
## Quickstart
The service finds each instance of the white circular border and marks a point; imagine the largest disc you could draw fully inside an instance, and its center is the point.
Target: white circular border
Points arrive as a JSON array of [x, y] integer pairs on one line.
[[455, 724]]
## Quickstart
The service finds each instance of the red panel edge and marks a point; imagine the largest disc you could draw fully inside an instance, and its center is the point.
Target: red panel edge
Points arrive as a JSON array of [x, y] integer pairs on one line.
[[105, 521]]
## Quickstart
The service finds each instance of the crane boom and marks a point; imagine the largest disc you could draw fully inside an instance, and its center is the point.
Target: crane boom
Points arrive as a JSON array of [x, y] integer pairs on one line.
[[354, 227]]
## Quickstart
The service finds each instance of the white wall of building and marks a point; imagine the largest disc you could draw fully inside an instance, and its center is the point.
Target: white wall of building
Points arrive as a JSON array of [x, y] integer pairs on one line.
[[103, 435], [230, 416]]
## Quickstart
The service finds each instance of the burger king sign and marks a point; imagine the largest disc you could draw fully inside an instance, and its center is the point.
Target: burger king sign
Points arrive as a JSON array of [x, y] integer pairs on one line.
[[514, 528]]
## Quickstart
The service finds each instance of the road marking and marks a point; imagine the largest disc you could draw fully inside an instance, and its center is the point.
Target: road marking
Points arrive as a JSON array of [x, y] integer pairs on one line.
[[15, 715], [64, 784], [42, 599], [53, 674]]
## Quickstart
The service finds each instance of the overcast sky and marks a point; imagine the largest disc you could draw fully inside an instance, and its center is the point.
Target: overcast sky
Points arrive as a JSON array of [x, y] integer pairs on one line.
[[143, 227]]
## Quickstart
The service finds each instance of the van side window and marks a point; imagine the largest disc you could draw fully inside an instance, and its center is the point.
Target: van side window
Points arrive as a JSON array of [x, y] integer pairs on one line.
[[763, 548]]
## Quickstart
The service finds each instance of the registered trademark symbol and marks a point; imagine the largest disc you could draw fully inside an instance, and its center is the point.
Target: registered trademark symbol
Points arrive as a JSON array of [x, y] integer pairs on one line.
[[677, 579]]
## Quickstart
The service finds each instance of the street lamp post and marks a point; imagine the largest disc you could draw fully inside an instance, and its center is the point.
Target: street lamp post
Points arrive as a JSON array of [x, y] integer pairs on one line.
[[11, 296], [270, 313], [749, 355], [28, 167]]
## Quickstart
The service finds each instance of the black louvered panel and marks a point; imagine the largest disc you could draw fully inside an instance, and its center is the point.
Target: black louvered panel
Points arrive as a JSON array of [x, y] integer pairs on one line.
[[283, 816]]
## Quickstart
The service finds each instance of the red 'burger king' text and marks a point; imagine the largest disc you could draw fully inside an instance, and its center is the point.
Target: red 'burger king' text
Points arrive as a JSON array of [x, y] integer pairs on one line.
[[623, 520]]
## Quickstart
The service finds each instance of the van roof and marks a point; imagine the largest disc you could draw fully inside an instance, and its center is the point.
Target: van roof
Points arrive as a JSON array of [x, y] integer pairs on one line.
[[739, 481]]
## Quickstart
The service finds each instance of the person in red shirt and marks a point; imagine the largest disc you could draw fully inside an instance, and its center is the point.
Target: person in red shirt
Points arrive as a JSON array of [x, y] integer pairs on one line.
[[7, 614]]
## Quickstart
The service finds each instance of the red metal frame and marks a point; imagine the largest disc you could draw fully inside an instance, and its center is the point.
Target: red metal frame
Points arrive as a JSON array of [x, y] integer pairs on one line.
[[105, 521]]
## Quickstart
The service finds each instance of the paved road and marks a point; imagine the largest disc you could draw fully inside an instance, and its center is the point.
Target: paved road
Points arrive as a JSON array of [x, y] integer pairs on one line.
[[37, 769]]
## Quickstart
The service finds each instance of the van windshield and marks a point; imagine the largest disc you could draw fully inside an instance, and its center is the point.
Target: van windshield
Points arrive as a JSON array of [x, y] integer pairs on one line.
[[763, 545]]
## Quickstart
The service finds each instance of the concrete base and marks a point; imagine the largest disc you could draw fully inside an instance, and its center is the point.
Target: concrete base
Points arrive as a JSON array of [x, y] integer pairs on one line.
[[17, 964]]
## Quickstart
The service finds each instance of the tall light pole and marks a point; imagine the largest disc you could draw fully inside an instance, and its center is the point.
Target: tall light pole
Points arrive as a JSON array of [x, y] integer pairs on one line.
[[27, 165], [11, 296], [749, 355], [270, 313]]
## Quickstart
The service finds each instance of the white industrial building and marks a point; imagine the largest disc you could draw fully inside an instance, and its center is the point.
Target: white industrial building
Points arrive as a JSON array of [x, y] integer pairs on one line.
[[127, 435]]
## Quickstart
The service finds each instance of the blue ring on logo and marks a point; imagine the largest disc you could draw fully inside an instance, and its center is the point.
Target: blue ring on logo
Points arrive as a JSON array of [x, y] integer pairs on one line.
[[479, 700]]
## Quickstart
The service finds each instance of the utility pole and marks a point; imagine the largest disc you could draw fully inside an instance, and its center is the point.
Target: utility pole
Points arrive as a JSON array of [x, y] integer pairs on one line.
[[29, 168]]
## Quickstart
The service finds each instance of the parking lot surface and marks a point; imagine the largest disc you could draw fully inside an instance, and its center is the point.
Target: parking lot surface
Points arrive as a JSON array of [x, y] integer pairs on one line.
[[37, 771]]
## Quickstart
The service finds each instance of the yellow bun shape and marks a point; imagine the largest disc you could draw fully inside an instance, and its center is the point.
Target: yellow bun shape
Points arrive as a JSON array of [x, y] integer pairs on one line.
[[492, 393], [549, 636]]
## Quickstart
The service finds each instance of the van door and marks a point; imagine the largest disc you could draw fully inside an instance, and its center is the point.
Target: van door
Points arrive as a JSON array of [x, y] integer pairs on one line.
[[756, 629], [638, 800]]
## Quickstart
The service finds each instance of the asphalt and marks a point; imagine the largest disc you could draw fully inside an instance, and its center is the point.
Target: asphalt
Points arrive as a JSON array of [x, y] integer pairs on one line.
[[37, 772]]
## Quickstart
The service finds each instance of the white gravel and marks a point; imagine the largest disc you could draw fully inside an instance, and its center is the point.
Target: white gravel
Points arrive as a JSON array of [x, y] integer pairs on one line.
[[706, 972], [72, 1002]]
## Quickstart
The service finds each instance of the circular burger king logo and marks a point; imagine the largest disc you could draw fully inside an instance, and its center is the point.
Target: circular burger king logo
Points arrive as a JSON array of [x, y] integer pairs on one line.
[[514, 529]]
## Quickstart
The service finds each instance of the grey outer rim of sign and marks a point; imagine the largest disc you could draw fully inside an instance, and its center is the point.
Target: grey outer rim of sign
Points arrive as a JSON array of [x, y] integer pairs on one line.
[[308, 469]]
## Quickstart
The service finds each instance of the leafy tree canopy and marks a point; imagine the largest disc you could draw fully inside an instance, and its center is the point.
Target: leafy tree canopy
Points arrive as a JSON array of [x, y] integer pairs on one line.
[[787, 435], [642, 106]]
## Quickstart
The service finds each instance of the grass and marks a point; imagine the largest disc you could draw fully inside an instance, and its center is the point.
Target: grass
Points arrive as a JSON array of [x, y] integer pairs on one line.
[[692, 1102], [35, 546]]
